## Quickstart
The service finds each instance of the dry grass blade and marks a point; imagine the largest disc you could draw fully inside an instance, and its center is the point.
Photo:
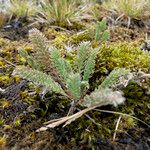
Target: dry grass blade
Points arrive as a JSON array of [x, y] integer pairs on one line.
[[119, 113], [67, 120], [116, 128]]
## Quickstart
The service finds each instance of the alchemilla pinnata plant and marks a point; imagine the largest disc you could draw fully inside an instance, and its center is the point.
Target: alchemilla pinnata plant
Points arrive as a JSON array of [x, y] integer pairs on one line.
[[49, 69]]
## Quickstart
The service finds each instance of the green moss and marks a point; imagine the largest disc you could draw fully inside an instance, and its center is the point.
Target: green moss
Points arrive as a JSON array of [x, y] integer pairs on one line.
[[3, 42], [4, 103], [3, 141], [60, 40], [119, 55], [77, 26], [5, 79], [137, 104], [122, 55], [17, 122], [79, 37], [56, 38], [50, 33], [73, 26], [29, 99], [88, 132]]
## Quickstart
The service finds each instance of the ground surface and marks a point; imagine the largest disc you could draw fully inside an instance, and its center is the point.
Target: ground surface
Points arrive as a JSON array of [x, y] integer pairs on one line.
[[23, 111]]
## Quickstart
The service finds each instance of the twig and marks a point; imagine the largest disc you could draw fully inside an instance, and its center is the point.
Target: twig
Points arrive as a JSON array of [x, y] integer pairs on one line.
[[129, 22], [9, 63], [90, 118], [116, 128], [72, 108], [119, 18], [119, 113], [2, 90], [146, 37], [144, 76], [67, 120], [31, 93], [63, 29]]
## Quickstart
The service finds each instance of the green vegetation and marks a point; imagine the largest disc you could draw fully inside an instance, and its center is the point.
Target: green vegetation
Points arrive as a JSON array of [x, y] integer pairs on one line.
[[61, 77], [3, 18], [131, 8], [97, 33], [22, 9], [87, 63], [122, 55], [68, 12], [62, 12]]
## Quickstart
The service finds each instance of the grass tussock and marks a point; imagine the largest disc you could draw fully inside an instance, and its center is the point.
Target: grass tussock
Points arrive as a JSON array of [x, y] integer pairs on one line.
[[132, 8], [21, 9], [62, 12]]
